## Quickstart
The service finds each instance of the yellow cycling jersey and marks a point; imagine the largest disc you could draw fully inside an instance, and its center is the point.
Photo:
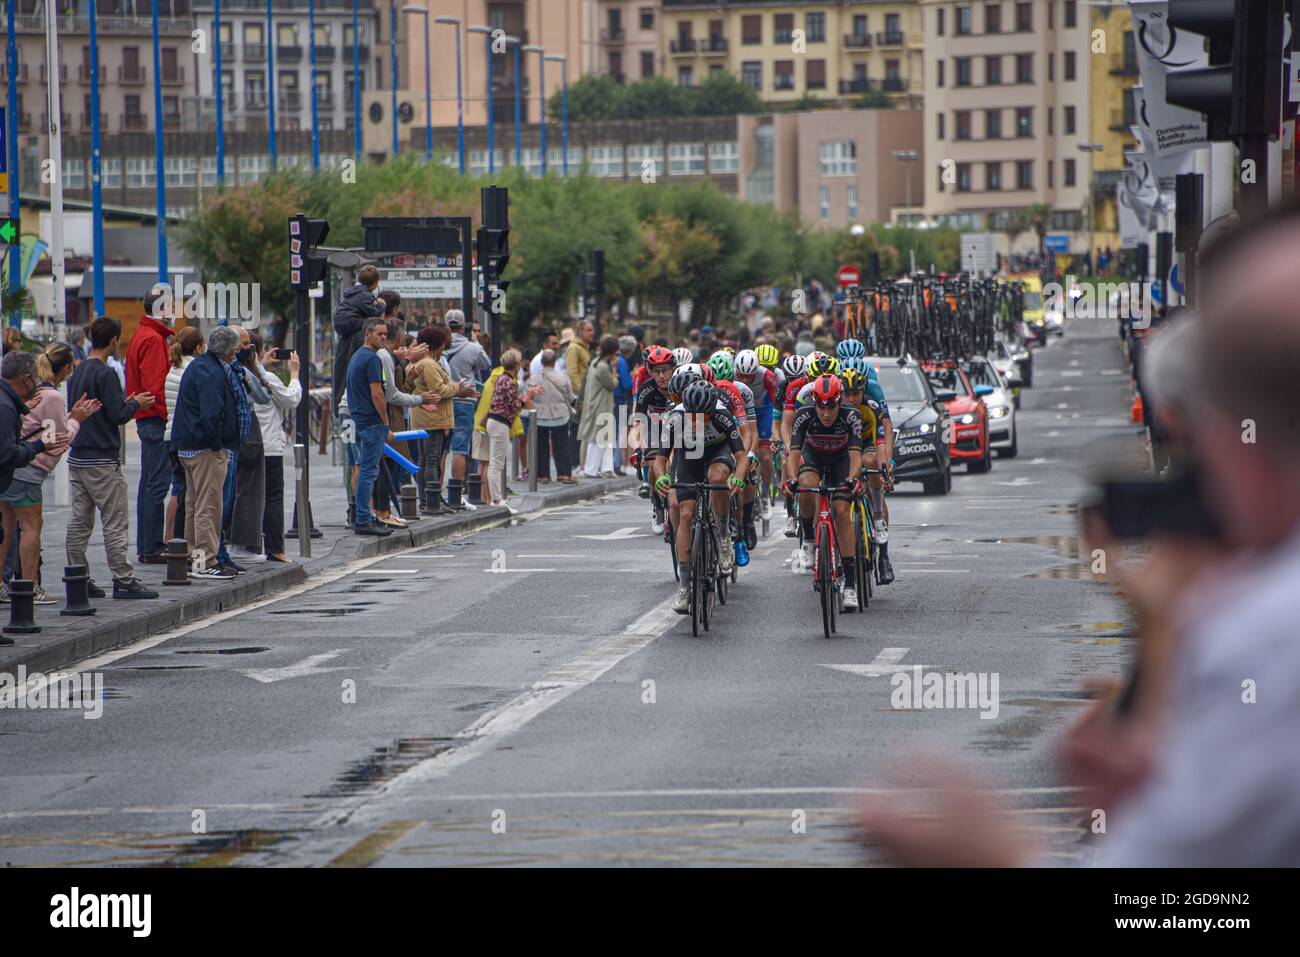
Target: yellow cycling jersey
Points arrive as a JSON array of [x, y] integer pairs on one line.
[[873, 429]]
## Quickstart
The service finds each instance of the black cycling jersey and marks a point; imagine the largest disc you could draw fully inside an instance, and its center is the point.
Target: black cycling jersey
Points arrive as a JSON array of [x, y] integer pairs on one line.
[[652, 403], [720, 428], [826, 441]]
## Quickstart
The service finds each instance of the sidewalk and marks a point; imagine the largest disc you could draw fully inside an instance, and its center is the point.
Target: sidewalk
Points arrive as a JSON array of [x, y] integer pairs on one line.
[[64, 640]]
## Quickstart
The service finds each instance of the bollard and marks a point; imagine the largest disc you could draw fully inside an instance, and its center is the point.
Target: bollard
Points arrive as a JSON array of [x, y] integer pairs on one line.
[[410, 501], [178, 562], [22, 597], [76, 580], [301, 497], [532, 454], [474, 486]]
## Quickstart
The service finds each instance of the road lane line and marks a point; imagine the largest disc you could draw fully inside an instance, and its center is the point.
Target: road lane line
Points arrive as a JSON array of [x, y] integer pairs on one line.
[[374, 846], [729, 792]]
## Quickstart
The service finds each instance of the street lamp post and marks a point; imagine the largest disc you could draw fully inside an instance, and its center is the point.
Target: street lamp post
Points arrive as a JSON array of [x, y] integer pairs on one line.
[[460, 97], [270, 88], [428, 89], [392, 59], [491, 125], [221, 94], [160, 154], [356, 81], [1091, 148], [907, 158], [315, 111], [541, 81], [96, 161], [519, 136], [564, 107], [11, 60], [57, 273]]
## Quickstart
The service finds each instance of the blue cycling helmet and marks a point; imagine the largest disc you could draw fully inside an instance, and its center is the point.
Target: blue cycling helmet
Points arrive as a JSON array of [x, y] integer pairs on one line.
[[850, 349], [854, 362]]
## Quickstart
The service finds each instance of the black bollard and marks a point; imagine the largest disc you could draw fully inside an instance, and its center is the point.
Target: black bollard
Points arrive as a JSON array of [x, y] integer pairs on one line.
[[474, 489], [178, 562], [410, 500], [22, 597], [76, 580]]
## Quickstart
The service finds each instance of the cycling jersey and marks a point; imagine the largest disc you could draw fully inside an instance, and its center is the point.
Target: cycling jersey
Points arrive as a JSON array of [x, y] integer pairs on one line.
[[874, 391], [792, 392], [826, 442], [721, 443], [743, 410], [639, 377], [873, 422], [652, 403], [764, 388]]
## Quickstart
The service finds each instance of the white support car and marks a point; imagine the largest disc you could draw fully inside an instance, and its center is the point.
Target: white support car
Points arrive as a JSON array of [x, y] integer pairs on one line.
[[1001, 404]]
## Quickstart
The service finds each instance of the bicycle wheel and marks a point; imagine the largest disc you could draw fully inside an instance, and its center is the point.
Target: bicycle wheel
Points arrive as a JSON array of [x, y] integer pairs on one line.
[[698, 611], [716, 571], [826, 582], [862, 553]]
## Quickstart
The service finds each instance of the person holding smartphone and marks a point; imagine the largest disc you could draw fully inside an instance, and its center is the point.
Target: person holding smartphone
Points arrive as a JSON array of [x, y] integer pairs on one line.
[[275, 420]]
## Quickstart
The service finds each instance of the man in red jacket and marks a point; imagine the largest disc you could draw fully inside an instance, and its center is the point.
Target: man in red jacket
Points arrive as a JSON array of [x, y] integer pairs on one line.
[[147, 361]]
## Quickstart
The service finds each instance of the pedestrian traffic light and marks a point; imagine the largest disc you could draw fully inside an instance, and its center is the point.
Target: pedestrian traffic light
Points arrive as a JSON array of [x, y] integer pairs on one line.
[[307, 267], [494, 236]]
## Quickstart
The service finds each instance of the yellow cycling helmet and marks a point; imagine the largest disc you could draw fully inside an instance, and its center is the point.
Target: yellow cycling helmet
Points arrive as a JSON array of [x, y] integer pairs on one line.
[[853, 380], [768, 355], [820, 364]]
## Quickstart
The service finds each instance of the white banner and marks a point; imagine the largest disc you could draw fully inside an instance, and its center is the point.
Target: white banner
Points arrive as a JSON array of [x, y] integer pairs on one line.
[[1140, 202], [1162, 50]]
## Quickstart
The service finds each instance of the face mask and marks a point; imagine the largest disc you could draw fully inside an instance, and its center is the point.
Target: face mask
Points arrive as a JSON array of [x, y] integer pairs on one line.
[[245, 356]]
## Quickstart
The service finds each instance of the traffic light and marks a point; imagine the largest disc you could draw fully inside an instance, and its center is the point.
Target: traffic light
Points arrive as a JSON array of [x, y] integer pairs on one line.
[[307, 267], [494, 236]]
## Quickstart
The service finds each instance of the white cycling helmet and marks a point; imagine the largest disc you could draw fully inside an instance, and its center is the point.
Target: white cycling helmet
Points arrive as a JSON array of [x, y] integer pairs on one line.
[[793, 367], [746, 363], [683, 356]]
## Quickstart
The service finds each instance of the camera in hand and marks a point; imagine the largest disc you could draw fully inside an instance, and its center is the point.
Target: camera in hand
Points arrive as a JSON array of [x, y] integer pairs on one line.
[[1141, 508]]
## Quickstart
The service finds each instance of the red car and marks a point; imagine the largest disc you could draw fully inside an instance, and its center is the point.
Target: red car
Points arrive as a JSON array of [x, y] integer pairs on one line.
[[970, 417]]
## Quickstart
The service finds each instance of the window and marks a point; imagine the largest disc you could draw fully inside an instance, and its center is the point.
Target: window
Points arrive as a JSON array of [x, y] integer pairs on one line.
[[993, 70], [938, 23], [824, 201], [286, 35], [110, 170], [993, 177], [751, 73], [647, 64], [139, 172], [1024, 68], [1069, 172], [1025, 174], [1071, 14], [963, 21], [851, 201], [961, 120], [940, 117], [1051, 68], [685, 76], [724, 157], [181, 170], [253, 168], [1067, 219], [686, 159], [606, 160], [1024, 17], [616, 64], [783, 75], [815, 27], [941, 183], [647, 18], [1069, 65], [993, 124], [838, 158], [1130, 53], [961, 66], [532, 161], [1024, 121], [74, 173], [938, 80], [1069, 120], [253, 35], [638, 153], [555, 157], [860, 24], [1051, 121], [1051, 174], [992, 18], [815, 74], [783, 27], [751, 28], [963, 178]]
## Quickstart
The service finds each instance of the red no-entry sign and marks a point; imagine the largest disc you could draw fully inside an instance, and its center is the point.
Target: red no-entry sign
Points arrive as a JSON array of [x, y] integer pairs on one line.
[[848, 275]]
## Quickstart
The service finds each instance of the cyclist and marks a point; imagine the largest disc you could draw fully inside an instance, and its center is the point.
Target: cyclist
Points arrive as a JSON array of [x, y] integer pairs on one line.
[[703, 439], [827, 440], [762, 382], [742, 400], [856, 396], [818, 364], [884, 460], [648, 407], [683, 356], [793, 368]]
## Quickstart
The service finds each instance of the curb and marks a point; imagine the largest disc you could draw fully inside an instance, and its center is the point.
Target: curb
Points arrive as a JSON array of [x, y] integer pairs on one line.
[[206, 600]]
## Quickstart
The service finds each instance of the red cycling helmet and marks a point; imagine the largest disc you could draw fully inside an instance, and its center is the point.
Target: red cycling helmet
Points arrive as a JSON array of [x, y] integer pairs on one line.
[[659, 356], [827, 390], [710, 376]]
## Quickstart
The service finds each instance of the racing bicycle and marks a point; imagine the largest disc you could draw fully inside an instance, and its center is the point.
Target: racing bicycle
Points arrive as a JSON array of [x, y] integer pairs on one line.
[[706, 575]]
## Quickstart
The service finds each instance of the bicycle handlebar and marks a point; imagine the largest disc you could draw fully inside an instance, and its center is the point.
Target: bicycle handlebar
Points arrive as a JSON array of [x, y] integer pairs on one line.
[[701, 486]]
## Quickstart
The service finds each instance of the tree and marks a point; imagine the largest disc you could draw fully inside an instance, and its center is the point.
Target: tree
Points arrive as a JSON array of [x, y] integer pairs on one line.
[[806, 103], [657, 96], [874, 100], [590, 98], [721, 94], [1013, 224]]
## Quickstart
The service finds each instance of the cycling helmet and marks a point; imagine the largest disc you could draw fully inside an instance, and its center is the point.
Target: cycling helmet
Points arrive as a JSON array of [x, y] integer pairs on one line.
[[658, 356], [709, 375], [722, 366], [855, 363], [852, 380], [682, 378], [827, 390], [683, 355], [768, 355], [793, 367], [820, 364], [747, 363], [850, 349], [700, 397]]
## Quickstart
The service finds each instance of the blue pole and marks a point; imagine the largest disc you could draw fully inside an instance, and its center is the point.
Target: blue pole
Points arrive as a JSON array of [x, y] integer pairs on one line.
[[491, 117], [564, 118], [541, 79], [96, 183], [221, 96], [270, 87], [428, 95], [15, 210], [392, 56], [315, 112], [160, 154], [460, 106], [519, 136], [356, 84]]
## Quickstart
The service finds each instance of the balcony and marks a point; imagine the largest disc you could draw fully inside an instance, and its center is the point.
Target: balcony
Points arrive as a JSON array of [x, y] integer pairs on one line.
[[132, 75], [326, 53], [254, 52], [255, 100], [24, 122], [859, 41], [228, 53], [893, 84], [714, 46], [682, 45], [613, 35], [891, 39], [1128, 68], [63, 73], [850, 87], [66, 120], [23, 74], [103, 121], [133, 26], [325, 99], [172, 122], [83, 73], [174, 77], [289, 100], [288, 54], [133, 122]]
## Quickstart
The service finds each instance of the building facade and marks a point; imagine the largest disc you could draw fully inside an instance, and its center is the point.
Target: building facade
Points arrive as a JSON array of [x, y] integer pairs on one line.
[[1114, 75], [630, 34]]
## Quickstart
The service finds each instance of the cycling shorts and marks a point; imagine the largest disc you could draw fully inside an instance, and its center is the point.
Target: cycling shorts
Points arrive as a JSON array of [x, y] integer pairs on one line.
[[834, 471], [764, 418], [697, 469]]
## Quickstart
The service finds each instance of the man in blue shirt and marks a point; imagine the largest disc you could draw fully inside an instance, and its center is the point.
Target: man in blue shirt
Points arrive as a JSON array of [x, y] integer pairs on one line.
[[369, 409]]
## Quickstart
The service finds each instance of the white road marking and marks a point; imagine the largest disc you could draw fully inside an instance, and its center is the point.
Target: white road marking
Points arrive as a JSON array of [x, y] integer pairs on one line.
[[389, 571], [729, 792], [549, 690], [618, 535], [886, 663], [308, 666], [503, 571], [1020, 482], [552, 555], [934, 571], [1052, 434], [185, 810], [1072, 373]]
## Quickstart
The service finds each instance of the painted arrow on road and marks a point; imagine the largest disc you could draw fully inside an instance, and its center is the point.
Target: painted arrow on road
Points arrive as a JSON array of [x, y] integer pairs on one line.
[[622, 534], [886, 663], [308, 666], [1019, 483]]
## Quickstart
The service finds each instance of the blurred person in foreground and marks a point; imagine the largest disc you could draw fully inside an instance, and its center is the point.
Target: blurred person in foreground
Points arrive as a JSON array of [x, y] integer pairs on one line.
[[1197, 760]]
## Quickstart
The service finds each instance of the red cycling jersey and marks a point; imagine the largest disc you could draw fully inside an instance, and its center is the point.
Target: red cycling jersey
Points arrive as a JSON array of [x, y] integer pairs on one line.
[[792, 393], [639, 376], [734, 399]]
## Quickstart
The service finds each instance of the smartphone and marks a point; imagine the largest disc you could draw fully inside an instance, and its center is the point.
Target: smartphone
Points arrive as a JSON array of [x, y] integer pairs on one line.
[[1138, 509], [282, 355]]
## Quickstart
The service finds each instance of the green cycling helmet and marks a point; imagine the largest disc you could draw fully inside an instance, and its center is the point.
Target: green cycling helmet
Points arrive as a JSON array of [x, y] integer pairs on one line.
[[722, 366]]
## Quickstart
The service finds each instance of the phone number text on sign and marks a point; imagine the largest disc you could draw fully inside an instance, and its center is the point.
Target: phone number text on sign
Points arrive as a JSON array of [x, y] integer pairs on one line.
[[424, 283]]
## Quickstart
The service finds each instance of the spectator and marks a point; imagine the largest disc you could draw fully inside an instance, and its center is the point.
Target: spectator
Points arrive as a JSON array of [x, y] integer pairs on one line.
[[274, 419], [549, 341], [13, 340], [577, 358], [95, 464], [628, 355], [369, 410], [245, 490], [77, 340], [205, 436], [399, 402], [429, 376], [21, 503], [146, 371], [466, 363], [357, 304], [503, 421], [597, 427], [187, 347], [553, 408]]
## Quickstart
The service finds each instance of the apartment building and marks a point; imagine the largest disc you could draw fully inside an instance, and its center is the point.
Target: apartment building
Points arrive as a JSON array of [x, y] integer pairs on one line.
[[1008, 104], [1114, 75], [792, 49], [630, 36]]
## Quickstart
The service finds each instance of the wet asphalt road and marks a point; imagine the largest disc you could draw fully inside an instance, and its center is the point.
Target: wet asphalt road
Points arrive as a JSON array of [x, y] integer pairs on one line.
[[524, 696]]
